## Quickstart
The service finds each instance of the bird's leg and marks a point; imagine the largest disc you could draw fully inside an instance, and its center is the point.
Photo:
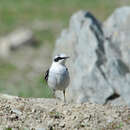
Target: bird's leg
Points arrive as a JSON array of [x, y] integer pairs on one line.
[[64, 96], [53, 93]]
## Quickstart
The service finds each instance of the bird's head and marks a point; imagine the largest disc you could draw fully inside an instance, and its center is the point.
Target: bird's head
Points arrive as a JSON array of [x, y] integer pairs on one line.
[[60, 58]]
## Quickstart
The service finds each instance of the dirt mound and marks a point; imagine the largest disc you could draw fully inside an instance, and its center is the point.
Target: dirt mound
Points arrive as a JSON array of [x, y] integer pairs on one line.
[[17, 112]]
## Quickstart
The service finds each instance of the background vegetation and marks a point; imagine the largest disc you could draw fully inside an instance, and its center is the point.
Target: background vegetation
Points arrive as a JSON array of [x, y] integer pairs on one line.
[[53, 16]]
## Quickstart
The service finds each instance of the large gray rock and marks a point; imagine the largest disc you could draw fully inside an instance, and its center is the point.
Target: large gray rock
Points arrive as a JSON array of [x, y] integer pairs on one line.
[[99, 64], [84, 41]]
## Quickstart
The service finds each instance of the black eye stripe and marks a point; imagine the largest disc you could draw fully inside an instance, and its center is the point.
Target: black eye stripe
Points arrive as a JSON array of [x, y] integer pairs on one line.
[[58, 58]]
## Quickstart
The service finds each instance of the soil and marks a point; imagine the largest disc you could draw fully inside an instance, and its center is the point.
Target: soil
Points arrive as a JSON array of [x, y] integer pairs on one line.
[[52, 114]]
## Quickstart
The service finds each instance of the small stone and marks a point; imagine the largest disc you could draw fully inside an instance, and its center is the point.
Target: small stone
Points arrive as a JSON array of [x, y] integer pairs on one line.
[[17, 111]]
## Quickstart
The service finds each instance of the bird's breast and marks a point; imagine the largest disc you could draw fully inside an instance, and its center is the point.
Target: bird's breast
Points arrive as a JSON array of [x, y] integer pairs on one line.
[[60, 77]]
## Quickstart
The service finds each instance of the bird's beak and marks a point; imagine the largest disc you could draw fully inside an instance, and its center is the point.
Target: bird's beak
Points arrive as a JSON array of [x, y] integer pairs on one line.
[[66, 57]]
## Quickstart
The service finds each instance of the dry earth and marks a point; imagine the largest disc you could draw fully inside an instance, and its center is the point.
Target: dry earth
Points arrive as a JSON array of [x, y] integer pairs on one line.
[[44, 114]]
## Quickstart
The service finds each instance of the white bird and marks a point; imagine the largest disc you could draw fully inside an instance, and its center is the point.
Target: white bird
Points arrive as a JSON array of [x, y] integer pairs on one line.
[[57, 76]]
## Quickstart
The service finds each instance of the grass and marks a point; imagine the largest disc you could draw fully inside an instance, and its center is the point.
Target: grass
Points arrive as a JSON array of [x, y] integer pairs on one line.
[[6, 69], [16, 13], [37, 87]]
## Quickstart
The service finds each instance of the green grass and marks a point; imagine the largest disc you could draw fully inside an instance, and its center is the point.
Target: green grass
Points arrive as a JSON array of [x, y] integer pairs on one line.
[[45, 36], [6, 69], [14, 13], [17, 13], [15, 82], [36, 87]]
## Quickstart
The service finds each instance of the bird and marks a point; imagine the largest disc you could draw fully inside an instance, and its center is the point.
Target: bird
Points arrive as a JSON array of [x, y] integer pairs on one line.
[[57, 76]]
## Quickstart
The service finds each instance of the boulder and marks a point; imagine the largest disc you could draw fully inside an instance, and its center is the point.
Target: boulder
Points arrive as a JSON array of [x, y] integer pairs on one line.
[[118, 52], [117, 26], [99, 65], [15, 40]]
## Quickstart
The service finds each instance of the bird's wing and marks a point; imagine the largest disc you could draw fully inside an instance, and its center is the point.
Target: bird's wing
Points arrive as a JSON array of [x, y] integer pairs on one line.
[[46, 75]]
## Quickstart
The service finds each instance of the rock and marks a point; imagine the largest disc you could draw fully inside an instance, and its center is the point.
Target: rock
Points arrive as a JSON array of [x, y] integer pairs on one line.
[[40, 129], [117, 25], [6, 96], [4, 48], [99, 65], [85, 40], [15, 40], [118, 65], [17, 111], [117, 102]]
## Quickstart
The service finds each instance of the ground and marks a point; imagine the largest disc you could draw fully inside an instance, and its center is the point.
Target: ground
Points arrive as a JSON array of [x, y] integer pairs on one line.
[[25, 113]]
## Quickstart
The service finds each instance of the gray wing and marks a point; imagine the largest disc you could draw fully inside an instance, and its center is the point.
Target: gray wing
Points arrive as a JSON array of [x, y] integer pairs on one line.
[[46, 75]]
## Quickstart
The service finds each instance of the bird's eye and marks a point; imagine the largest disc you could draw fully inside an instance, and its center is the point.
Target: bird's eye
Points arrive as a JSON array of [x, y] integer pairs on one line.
[[57, 59]]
